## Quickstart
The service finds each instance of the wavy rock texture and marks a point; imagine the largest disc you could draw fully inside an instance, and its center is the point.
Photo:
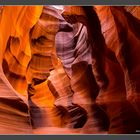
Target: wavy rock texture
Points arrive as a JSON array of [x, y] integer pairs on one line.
[[123, 46], [70, 71], [14, 110]]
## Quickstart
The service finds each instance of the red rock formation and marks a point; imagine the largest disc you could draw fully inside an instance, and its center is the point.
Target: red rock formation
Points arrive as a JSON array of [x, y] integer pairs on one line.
[[67, 71]]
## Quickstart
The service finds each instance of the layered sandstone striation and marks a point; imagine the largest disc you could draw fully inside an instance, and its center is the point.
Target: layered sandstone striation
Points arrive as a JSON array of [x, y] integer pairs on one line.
[[69, 71]]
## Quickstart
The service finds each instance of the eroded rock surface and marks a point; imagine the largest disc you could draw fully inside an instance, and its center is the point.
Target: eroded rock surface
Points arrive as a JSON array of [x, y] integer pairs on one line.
[[68, 71]]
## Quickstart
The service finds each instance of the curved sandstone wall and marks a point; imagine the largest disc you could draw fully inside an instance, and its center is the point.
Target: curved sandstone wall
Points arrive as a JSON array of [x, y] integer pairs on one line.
[[69, 70]]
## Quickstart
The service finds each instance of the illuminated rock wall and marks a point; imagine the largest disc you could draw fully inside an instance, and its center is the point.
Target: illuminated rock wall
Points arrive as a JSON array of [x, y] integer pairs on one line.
[[70, 71]]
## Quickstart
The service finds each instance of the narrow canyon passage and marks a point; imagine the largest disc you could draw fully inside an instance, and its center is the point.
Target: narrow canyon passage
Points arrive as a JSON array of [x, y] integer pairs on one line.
[[69, 69]]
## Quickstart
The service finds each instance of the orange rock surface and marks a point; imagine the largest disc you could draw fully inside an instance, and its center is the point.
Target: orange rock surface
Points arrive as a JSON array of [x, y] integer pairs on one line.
[[69, 71]]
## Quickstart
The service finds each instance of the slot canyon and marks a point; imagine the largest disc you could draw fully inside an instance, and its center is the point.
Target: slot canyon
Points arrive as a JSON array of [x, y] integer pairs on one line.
[[69, 69]]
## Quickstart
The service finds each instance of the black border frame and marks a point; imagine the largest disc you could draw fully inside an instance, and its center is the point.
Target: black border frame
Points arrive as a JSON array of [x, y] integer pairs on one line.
[[69, 2]]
